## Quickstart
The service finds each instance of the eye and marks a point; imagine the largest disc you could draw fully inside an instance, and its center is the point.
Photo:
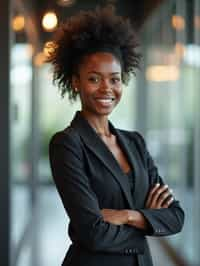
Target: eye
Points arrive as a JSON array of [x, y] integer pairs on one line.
[[94, 79], [115, 80]]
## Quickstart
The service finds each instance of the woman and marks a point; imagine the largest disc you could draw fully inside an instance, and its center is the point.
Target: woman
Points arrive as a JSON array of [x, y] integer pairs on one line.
[[106, 178]]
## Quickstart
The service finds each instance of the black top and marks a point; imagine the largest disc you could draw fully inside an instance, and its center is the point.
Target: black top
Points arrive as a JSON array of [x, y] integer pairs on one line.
[[131, 179]]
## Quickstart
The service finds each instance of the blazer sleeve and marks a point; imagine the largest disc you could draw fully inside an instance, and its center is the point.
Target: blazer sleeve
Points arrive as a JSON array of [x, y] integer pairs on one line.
[[81, 203], [164, 221]]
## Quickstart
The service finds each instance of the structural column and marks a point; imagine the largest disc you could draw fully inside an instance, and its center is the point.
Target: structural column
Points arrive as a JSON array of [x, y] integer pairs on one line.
[[4, 133], [197, 147]]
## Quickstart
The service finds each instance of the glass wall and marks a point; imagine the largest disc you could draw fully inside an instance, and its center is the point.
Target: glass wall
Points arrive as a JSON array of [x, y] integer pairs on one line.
[[20, 142], [163, 104], [171, 72], [39, 222]]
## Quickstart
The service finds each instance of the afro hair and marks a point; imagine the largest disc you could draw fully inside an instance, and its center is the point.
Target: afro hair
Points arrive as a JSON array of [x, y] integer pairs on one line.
[[85, 30]]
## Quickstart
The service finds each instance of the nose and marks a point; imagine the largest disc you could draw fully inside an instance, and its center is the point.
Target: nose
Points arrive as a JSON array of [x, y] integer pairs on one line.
[[105, 85]]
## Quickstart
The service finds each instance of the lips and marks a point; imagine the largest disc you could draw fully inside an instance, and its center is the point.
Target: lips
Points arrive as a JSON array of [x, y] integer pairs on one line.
[[105, 98], [105, 101]]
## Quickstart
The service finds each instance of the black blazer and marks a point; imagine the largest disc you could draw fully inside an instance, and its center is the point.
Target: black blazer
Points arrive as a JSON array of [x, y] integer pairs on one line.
[[89, 178]]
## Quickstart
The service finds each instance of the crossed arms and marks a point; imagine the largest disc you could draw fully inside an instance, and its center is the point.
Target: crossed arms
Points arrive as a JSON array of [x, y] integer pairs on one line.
[[107, 230]]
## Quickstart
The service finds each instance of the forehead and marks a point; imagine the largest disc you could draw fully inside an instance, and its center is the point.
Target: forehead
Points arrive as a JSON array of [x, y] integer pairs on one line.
[[102, 62]]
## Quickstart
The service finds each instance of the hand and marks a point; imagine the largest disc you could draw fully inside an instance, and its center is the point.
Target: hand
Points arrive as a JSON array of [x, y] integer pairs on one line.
[[159, 197], [117, 217], [137, 219]]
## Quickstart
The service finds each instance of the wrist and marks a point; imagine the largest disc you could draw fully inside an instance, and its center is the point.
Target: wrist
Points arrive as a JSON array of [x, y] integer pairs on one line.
[[130, 216], [136, 218]]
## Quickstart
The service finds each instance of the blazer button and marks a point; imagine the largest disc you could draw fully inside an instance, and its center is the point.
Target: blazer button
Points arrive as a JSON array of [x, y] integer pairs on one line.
[[135, 251], [126, 251]]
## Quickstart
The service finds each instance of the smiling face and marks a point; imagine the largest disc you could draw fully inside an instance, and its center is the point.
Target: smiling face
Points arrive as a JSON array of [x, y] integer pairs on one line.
[[99, 83]]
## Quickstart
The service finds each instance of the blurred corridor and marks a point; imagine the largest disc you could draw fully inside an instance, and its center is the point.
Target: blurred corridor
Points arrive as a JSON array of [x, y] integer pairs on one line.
[[162, 102]]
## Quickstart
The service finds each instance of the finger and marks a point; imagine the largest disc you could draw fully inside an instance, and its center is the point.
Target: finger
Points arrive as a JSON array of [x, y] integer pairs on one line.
[[168, 202], [157, 194], [150, 195], [163, 196]]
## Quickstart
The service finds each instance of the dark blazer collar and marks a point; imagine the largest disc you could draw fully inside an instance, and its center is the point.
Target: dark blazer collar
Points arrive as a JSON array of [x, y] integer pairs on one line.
[[99, 148]]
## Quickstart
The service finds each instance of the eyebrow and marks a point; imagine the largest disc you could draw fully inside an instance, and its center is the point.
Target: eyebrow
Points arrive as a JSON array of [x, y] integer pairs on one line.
[[99, 73]]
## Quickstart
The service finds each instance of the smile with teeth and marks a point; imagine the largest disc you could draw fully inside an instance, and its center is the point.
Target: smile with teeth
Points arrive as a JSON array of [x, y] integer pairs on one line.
[[105, 100]]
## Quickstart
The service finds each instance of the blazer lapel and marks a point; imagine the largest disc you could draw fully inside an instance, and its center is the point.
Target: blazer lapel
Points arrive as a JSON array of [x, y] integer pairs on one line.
[[99, 148], [129, 149], [131, 152]]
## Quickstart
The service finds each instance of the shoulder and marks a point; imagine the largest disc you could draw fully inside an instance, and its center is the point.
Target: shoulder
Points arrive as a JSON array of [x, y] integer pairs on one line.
[[65, 143], [65, 137]]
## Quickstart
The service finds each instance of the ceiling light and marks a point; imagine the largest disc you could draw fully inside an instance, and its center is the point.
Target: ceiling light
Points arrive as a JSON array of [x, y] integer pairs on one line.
[[161, 73], [65, 2], [18, 23], [50, 21], [178, 22]]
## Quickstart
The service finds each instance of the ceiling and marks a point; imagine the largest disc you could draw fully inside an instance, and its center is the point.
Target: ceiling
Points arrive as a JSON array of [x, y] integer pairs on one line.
[[33, 10]]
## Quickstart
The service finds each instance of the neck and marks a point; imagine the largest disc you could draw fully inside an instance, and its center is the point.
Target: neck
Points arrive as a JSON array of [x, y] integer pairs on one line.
[[98, 123]]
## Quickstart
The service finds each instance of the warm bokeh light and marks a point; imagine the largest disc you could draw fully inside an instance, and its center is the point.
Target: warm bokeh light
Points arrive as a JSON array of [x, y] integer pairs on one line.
[[65, 2], [39, 59], [30, 50], [18, 23], [49, 48], [50, 21], [179, 50], [161, 73], [178, 22]]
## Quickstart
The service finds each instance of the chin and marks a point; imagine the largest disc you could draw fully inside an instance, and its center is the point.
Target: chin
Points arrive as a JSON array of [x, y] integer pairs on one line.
[[104, 112]]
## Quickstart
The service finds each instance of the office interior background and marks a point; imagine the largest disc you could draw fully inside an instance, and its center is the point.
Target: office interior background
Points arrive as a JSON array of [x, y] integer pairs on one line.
[[162, 102]]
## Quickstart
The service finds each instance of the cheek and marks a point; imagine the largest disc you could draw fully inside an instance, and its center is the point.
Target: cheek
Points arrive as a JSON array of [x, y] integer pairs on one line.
[[118, 92], [85, 88], [86, 91]]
